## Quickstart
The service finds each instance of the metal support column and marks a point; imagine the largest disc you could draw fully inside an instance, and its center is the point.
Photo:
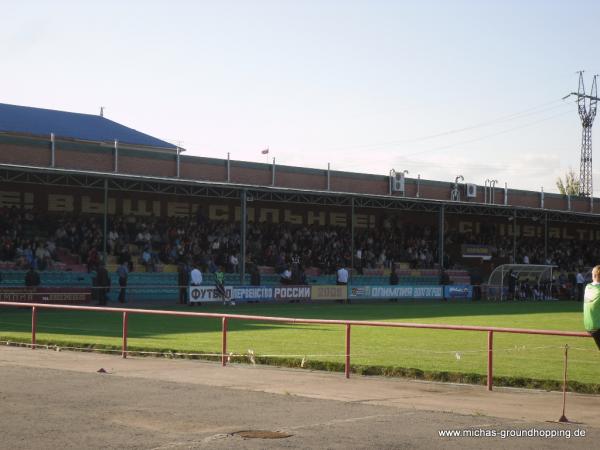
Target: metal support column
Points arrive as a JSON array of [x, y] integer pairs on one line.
[[105, 227], [441, 237], [542, 198], [545, 237], [53, 149], [347, 365], [490, 364], [352, 252], [514, 255], [228, 168], [33, 326], [224, 341], [273, 174], [116, 155], [243, 227], [124, 347]]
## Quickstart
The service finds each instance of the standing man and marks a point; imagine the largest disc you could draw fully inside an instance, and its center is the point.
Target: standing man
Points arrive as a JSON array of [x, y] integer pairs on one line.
[[286, 276], [32, 278], [444, 281], [102, 284], [254, 275], [591, 306], [394, 280], [341, 276], [183, 281], [123, 273], [512, 284], [195, 279], [341, 279], [220, 286], [580, 280]]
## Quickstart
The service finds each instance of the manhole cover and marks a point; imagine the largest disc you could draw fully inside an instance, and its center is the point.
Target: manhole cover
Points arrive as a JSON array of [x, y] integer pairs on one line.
[[261, 434]]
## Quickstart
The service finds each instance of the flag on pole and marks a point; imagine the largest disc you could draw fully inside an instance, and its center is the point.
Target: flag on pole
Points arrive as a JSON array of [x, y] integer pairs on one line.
[[265, 151]]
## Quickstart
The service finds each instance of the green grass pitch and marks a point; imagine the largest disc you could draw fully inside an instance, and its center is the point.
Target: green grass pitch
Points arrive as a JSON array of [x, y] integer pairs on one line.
[[525, 356]]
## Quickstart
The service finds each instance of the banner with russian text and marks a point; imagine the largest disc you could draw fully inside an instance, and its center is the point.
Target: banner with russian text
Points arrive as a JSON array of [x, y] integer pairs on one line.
[[394, 292]]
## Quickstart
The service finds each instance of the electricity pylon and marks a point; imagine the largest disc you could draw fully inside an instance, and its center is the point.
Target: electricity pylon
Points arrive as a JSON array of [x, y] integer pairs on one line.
[[587, 112]]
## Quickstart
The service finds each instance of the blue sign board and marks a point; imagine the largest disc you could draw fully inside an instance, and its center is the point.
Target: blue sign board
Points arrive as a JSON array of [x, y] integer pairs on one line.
[[394, 292], [459, 291]]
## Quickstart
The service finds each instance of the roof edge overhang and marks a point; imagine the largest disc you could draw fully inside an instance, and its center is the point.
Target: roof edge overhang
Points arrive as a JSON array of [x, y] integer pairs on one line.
[[110, 144], [450, 206]]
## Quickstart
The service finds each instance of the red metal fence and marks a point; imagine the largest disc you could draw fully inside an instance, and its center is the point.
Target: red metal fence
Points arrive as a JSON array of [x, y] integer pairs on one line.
[[125, 312]]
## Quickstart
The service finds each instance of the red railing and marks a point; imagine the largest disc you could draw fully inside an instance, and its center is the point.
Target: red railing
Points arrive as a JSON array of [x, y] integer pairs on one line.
[[292, 320]]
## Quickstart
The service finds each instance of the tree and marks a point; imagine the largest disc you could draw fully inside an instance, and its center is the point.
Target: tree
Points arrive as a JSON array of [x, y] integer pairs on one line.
[[570, 185]]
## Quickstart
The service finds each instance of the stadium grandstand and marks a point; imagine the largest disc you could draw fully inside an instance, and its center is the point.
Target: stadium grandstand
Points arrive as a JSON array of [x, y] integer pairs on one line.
[[79, 189]]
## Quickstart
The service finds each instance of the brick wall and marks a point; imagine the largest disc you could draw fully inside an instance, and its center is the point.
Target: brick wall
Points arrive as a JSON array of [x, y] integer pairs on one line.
[[138, 165], [94, 157], [18, 154], [100, 160]]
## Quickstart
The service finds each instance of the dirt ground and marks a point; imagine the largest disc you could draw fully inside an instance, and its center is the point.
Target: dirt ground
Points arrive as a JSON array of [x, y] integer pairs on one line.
[[52, 399]]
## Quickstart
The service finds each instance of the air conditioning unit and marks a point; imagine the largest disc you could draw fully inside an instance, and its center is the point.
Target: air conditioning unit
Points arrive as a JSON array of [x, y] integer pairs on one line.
[[397, 180], [471, 190]]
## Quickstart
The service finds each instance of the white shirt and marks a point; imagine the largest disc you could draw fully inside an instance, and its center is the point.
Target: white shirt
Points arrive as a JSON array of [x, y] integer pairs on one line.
[[579, 278], [196, 277], [342, 275]]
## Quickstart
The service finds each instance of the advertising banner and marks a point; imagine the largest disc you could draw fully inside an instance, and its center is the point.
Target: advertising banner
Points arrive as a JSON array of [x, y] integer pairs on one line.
[[476, 251], [291, 293], [395, 292], [283, 294], [253, 293], [459, 291], [208, 294], [62, 295], [329, 292]]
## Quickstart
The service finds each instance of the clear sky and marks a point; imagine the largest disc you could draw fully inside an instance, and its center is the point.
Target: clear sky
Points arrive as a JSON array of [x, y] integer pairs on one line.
[[439, 88]]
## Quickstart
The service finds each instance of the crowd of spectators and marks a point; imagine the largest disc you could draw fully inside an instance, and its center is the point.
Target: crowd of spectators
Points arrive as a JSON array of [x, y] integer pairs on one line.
[[380, 247], [25, 240], [214, 244], [32, 240], [569, 255]]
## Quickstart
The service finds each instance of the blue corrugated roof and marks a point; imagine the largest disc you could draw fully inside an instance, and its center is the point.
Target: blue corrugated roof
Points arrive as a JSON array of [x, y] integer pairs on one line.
[[42, 122]]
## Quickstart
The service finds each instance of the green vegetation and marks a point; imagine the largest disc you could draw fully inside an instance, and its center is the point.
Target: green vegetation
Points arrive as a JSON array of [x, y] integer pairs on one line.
[[519, 360]]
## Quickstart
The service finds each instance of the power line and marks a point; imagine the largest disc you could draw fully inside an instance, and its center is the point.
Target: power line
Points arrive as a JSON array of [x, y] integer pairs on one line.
[[534, 110], [436, 149], [539, 109], [491, 135]]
